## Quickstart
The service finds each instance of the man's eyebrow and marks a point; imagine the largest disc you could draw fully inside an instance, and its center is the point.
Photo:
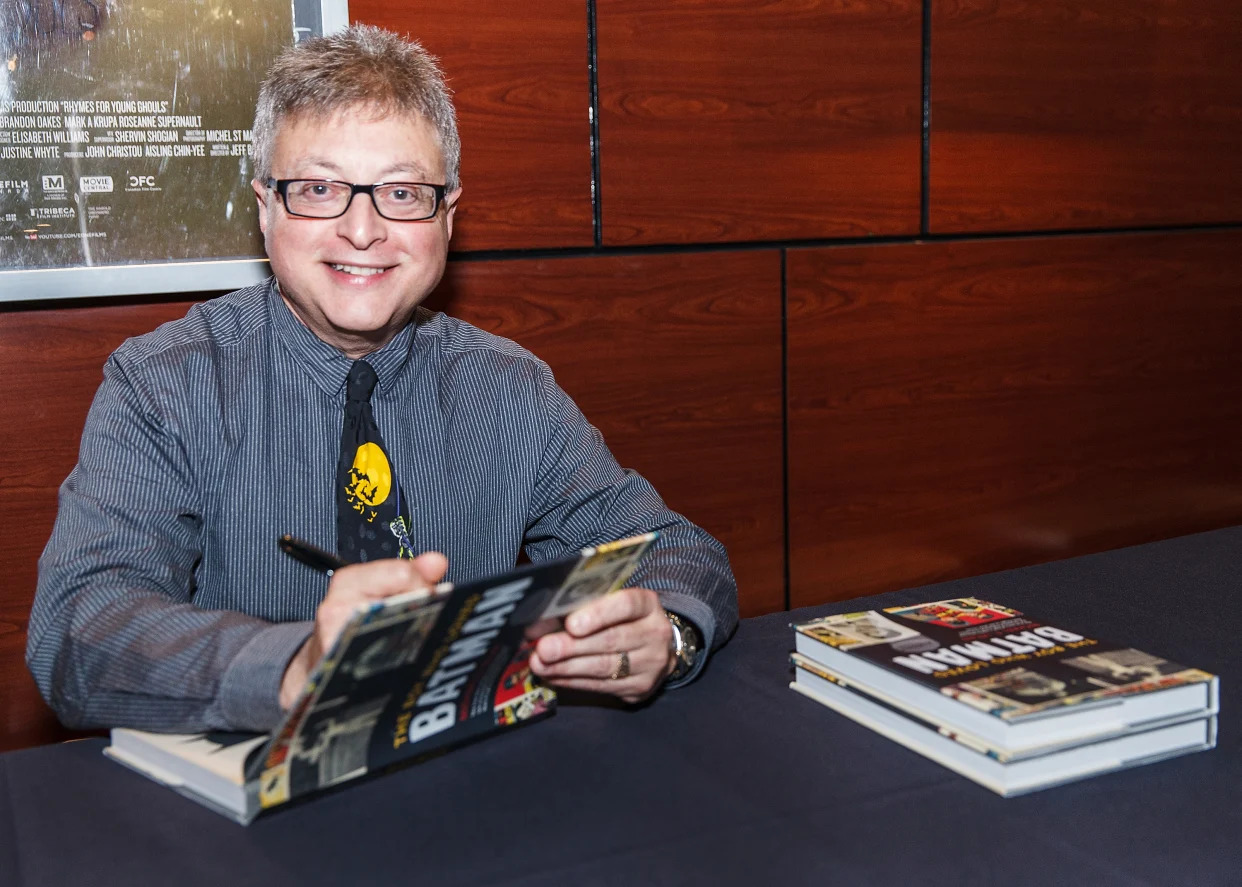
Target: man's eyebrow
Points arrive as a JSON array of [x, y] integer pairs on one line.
[[310, 160], [412, 171], [409, 171]]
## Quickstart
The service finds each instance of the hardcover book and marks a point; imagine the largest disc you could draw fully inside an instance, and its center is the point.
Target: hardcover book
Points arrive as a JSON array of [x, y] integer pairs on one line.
[[1006, 778], [408, 675], [998, 683]]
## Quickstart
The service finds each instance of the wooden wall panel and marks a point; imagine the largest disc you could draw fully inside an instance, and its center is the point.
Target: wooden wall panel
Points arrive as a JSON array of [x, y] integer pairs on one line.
[[51, 362], [522, 93], [1084, 113], [958, 408], [953, 407], [754, 120], [677, 359]]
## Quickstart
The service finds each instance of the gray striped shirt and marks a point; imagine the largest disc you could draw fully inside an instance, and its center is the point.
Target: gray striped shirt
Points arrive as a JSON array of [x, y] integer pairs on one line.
[[163, 601]]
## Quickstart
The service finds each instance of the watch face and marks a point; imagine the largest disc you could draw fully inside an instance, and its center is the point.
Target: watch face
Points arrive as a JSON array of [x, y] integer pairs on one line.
[[685, 647], [689, 654], [690, 640]]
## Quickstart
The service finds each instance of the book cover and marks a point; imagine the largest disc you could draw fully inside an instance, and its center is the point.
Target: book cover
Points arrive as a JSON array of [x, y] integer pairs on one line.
[[408, 675], [991, 671]]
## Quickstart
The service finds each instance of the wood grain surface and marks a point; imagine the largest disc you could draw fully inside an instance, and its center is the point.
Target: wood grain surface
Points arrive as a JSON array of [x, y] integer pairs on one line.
[[758, 119], [953, 408], [967, 407], [677, 360], [51, 362], [522, 94], [1066, 114]]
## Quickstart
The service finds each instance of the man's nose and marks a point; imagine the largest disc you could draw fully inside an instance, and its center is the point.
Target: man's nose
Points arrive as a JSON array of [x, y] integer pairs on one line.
[[362, 225]]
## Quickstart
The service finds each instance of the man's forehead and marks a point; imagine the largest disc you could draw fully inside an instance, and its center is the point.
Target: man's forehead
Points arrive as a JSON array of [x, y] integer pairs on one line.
[[350, 116]]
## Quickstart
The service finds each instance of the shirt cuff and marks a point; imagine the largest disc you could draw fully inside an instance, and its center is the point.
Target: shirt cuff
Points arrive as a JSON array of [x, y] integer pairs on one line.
[[250, 688]]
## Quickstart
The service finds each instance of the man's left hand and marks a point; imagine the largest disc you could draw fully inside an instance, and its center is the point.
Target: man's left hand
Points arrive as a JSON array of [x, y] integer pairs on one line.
[[587, 653]]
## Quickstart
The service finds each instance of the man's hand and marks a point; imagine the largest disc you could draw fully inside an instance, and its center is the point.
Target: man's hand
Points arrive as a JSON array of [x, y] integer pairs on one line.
[[587, 653], [351, 586]]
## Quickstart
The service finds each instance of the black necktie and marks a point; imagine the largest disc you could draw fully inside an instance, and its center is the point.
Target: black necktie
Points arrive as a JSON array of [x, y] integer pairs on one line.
[[369, 523]]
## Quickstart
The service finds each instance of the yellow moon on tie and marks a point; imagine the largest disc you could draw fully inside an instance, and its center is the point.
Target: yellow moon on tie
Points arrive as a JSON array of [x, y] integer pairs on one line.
[[374, 474]]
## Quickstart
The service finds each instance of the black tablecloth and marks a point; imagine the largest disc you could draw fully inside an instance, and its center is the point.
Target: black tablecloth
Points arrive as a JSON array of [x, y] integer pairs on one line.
[[734, 780]]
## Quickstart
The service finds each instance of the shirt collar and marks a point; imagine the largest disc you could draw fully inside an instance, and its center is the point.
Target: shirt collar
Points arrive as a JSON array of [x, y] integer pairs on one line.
[[327, 366]]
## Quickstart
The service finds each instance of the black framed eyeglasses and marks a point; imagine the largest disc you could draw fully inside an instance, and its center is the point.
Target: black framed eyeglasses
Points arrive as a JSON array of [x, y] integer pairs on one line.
[[327, 199]]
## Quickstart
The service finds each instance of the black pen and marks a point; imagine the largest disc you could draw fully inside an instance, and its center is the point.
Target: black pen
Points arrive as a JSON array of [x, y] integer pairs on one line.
[[324, 561]]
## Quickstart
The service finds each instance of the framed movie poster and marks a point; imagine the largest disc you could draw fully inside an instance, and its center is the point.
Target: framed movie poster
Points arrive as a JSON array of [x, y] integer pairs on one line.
[[125, 140]]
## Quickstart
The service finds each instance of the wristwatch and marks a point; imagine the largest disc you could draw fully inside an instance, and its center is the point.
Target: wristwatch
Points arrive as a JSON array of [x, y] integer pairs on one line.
[[685, 646]]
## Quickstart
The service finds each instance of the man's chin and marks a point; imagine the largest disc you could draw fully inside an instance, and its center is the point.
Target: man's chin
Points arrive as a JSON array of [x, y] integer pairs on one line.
[[356, 343], [352, 335], [356, 335]]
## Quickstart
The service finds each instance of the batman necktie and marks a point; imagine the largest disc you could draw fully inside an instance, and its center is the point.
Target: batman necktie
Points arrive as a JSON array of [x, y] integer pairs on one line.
[[370, 523]]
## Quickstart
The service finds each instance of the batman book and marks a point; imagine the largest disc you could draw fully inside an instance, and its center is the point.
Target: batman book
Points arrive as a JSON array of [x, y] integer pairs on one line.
[[1010, 684], [408, 676]]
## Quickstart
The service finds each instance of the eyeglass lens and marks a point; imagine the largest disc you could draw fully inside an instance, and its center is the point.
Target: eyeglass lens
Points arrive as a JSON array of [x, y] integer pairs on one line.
[[403, 201]]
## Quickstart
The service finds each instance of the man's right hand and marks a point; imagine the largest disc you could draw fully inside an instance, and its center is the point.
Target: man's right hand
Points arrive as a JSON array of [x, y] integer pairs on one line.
[[351, 586]]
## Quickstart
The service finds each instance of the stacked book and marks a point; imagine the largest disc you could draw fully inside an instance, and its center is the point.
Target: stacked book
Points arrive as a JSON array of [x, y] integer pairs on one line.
[[1013, 703]]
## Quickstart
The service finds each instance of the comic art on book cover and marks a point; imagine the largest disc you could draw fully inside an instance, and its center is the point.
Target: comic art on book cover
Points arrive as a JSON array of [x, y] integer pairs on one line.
[[412, 677], [996, 659]]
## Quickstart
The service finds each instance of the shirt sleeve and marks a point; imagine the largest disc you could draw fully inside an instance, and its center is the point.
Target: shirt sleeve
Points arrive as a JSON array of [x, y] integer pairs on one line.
[[115, 638], [583, 497]]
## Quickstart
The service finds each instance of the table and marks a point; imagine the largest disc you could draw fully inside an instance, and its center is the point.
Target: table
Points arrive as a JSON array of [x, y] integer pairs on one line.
[[733, 780]]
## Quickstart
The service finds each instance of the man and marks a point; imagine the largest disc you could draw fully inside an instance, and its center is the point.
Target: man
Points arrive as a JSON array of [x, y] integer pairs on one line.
[[163, 602]]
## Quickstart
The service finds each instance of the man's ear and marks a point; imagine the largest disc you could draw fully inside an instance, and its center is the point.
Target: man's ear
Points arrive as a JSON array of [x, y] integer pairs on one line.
[[260, 194], [450, 201]]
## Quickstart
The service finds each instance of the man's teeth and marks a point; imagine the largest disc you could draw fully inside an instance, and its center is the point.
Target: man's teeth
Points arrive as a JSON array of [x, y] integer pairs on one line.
[[357, 269]]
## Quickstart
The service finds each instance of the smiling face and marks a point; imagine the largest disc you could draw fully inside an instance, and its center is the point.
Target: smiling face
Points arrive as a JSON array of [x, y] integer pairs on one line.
[[355, 281]]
